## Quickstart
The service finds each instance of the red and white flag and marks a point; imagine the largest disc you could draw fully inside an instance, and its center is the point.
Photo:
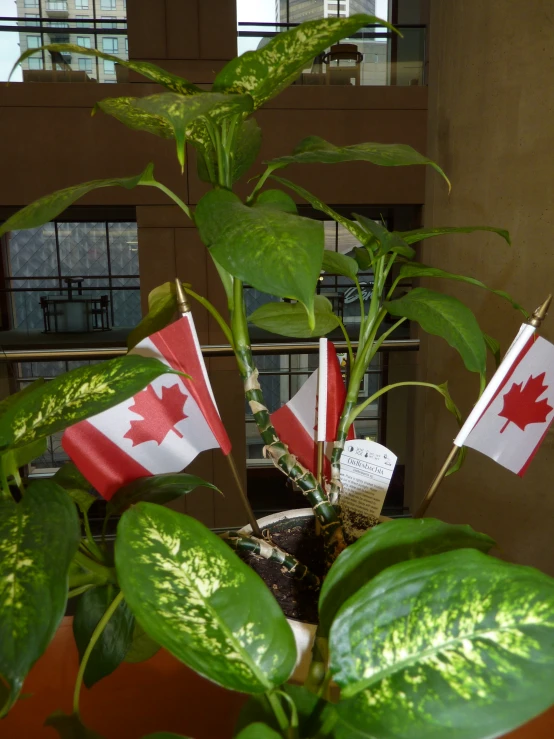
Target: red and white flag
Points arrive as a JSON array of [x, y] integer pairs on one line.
[[513, 415], [162, 428], [309, 412]]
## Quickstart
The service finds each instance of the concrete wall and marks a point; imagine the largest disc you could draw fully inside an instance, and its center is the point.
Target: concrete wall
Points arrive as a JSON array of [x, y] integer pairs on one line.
[[490, 127]]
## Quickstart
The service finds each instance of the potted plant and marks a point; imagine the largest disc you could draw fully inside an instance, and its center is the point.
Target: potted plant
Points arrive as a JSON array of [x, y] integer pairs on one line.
[[421, 633]]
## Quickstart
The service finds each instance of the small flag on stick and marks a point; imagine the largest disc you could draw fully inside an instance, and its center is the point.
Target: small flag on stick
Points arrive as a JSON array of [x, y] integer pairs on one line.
[[516, 409], [313, 414], [159, 430]]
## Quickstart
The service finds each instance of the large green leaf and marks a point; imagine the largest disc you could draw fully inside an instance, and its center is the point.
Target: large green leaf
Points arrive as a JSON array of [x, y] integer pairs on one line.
[[48, 207], [315, 150], [453, 646], [290, 319], [76, 485], [339, 264], [116, 638], [386, 545], [278, 253], [265, 72], [38, 538], [156, 489], [181, 111], [276, 199], [142, 647], [164, 735], [127, 113], [443, 315], [258, 731], [13, 460], [162, 306], [413, 269], [76, 395], [419, 234], [382, 240], [146, 69], [318, 204], [70, 727], [196, 598]]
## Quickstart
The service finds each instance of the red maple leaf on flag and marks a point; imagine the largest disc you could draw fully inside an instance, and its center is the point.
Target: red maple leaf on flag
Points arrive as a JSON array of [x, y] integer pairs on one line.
[[159, 415], [521, 405]]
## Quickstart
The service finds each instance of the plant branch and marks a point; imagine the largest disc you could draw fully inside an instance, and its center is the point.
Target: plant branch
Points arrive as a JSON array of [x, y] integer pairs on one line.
[[260, 183], [176, 199], [78, 591], [348, 342], [105, 574], [280, 715], [90, 646], [224, 326], [359, 408], [273, 553]]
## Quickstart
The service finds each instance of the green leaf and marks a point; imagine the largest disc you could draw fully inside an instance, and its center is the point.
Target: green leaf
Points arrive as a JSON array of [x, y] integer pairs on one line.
[[453, 646], [156, 489], [162, 306], [362, 257], [181, 111], [258, 731], [165, 735], [38, 538], [413, 269], [11, 400], [244, 152], [13, 460], [70, 727], [264, 73], [339, 264], [76, 395], [419, 234], [195, 597], [275, 252], [494, 347], [146, 69], [386, 545], [318, 204], [276, 199], [385, 240], [315, 150], [126, 112], [290, 319], [76, 486], [142, 646], [112, 646], [443, 315], [48, 207]]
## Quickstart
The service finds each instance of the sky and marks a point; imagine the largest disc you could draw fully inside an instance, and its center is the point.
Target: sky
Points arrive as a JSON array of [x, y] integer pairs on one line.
[[9, 42]]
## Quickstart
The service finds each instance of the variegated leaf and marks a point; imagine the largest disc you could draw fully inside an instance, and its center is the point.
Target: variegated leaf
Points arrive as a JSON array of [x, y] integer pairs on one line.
[[315, 150], [127, 113], [196, 598], [290, 319], [275, 252], [419, 234], [443, 315], [48, 207], [146, 69], [453, 646], [156, 489], [13, 460], [386, 545], [247, 143], [181, 111], [74, 396], [38, 538], [264, 73]]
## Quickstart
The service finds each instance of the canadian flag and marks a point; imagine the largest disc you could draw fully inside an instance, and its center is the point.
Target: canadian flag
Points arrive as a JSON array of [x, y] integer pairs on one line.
[[311, 411], [162, 428], [513, 415]]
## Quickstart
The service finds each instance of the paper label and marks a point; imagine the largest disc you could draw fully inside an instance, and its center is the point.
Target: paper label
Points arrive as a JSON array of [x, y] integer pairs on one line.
[[366, 469]]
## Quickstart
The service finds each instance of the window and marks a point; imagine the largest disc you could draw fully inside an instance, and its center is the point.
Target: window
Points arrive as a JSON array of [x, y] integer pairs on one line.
[[84, 41], [126, 46], [35, 62], [57, 5], [33, 42], [110, 45], [83, 23], [107, 4], [31, 3], [32, 22], [109, 67], [81, 4], [108, 25], [85, 65]]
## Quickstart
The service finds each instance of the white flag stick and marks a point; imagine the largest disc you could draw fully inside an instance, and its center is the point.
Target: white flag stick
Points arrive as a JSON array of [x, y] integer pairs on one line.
[[321, 406], [525, 333]]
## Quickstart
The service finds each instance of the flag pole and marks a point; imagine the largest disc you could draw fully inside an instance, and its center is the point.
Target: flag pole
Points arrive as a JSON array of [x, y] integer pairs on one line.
[[183, 306], [535, 321]]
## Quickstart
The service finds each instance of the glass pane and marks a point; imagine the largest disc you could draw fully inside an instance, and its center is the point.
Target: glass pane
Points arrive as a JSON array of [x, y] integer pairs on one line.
[[123, 248], [83, 249]]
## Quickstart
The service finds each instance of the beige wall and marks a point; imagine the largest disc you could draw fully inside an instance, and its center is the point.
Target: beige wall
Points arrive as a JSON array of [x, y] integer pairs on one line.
[[490, 127]]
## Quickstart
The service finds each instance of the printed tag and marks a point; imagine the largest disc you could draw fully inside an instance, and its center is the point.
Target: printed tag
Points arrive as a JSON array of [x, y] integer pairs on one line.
[[366, 469]]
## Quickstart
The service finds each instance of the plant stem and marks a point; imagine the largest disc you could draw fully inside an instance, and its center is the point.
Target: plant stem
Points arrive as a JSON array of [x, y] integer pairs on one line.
[[92, 545], [224, 326], [176, 199], [359, 408], [260, 183], [274, 448], [279, 712], [105, 574], [90, 646], [78, 591], [348, 343], [293, 729]]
